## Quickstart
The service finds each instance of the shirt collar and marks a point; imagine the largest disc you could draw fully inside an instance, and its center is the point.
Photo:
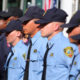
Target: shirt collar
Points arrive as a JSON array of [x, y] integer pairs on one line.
[[18, 44], [36, 37], [54, 39]]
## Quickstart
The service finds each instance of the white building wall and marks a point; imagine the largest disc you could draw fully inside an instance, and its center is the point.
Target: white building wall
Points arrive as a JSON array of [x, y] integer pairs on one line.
[[4, 5], [66, 5]]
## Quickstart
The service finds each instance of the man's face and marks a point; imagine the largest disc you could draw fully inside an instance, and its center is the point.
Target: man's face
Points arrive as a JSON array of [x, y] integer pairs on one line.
[[47, 30], [12, 18], [11, 37], [3, 24], [29, 27], [75, 31]]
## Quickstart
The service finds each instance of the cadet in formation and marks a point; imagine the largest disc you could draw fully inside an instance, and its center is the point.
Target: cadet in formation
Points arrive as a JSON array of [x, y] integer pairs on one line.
[[36, 44], [60, 52], [74, 29], [14, 65]]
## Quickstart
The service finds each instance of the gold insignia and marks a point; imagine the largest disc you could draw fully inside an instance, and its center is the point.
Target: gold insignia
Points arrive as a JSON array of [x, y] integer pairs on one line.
[[35, 50], [51, 54], [75, 63], [25, 10], [24, 55], [15, 58], [8, 22], [26, 36], [69, 51], [44, 13], [79, 78]]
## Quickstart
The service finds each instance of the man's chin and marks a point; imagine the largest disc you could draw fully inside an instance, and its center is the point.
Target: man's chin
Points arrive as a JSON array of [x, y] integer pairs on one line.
[[26, 33]]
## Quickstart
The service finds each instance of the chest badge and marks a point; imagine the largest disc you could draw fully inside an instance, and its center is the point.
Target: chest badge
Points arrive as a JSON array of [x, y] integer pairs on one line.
[[35, 50], [51, 54], [75, 63], [15, 58], [24, 55]]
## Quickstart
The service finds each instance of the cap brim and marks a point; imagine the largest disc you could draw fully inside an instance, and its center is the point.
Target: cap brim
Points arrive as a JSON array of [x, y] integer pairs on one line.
[[24, 18], [69, 25], [42, 21], [76, 37], [6, 15]]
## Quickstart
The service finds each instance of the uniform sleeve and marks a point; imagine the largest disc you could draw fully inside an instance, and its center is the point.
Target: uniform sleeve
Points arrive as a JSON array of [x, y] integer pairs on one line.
[[75, 68]]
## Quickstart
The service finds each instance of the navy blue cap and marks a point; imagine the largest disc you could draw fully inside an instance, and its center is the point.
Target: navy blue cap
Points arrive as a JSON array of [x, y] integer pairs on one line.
[[32, 13], [76, 37], [53, 15], [12, 11], [12, 25], [74, 21], [1, 15]]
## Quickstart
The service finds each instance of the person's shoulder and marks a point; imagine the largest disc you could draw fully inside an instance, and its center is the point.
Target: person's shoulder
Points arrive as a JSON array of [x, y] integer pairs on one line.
[[65, 42]]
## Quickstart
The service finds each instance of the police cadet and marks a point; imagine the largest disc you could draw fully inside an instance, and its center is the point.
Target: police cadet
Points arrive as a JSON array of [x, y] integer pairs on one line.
[[59, 52], [13, 65], [36, 45], [3, 21], [74, 29], [75, 71], [4, 51], [13, 14]]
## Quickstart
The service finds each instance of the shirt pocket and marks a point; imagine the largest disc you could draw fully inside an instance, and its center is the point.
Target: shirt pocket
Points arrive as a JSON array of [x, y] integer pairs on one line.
[[14, 63], [51, 61], [34, 62]]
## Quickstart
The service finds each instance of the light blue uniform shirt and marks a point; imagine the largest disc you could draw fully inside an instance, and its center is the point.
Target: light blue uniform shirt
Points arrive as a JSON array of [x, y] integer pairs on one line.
[[75, 70], [60, 57], [36, 56], [16, 64]]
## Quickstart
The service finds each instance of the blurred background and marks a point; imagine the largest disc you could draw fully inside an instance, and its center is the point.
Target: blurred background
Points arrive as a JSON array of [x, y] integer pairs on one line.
[[70, 6]]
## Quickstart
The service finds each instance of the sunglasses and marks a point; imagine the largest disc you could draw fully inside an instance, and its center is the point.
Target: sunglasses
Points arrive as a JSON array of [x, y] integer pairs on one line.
[[25, 22]]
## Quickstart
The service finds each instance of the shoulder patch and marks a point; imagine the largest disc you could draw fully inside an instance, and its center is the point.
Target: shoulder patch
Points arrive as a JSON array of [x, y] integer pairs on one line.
[[69, 51]]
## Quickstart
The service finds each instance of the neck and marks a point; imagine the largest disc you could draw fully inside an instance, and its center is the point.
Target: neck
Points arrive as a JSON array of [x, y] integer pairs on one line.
[[53, 34], [34, 32], [15, 42]]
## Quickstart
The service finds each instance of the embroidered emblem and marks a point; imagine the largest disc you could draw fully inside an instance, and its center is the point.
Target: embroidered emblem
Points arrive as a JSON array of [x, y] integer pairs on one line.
[[24, 55], [51, 54], [15, 58], [35, 51], [69, 51]]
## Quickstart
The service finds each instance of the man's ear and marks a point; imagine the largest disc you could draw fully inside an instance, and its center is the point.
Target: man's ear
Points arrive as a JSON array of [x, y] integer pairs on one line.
[[18, 33], [56, 27], [37, 25]]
